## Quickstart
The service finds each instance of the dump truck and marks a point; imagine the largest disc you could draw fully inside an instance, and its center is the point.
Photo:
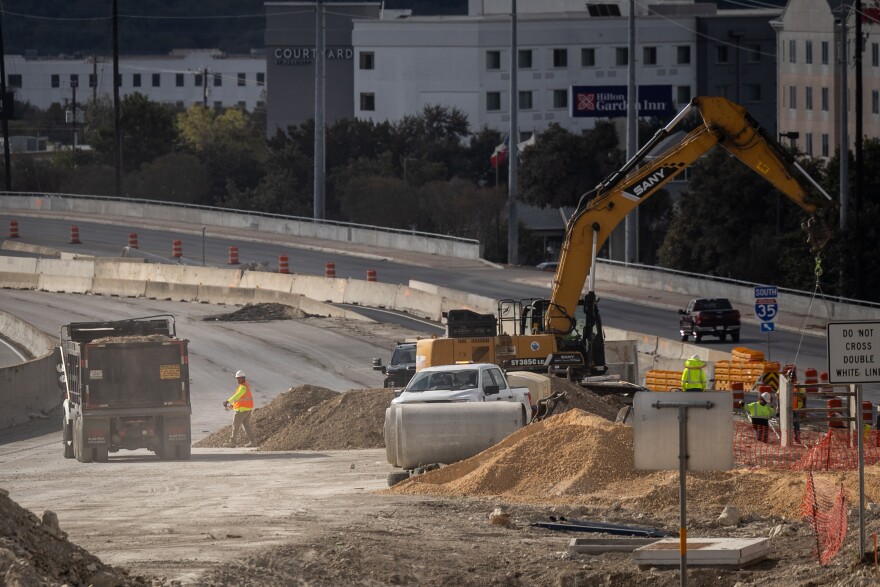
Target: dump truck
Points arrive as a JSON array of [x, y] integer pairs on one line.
[[126, 386]]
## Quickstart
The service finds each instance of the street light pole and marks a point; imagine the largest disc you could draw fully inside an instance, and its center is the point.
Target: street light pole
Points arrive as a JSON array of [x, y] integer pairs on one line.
[[73, 85]]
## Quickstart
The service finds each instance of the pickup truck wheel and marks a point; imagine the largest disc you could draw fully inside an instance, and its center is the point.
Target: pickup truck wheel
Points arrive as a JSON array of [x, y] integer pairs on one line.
[[684, 338], [734, 336], [396, 477], [697, 337], [722, 336]]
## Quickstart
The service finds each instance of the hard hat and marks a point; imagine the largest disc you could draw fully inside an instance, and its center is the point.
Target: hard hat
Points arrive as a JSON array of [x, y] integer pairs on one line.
[[239, 374], [697, 357], [766, 396]]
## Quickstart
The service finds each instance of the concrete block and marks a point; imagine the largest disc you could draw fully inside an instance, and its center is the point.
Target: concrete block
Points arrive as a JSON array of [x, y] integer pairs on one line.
[[19, 280], [14, 245], [417, 303], [18, 265], [28, 390], [64, 283], [124, 270], [270, 296], [322, 289], [67, 268], [316, 308], [159, 290], [602, 545], [370, 293], [34, 340], [728, 552], [236, 296], [265, 280], [126, 288]]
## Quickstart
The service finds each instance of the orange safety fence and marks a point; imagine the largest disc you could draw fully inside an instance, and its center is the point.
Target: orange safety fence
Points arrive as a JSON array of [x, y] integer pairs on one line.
[[824, 507], [830, 450]]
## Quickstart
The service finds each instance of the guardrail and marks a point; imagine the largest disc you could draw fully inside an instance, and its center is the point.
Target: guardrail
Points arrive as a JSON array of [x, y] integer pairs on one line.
[[409, 240]]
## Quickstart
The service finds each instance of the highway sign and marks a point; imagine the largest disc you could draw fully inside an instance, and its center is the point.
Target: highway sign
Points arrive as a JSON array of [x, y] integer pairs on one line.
[[853, 352], [766, 291], [766, 309], [768, 326]]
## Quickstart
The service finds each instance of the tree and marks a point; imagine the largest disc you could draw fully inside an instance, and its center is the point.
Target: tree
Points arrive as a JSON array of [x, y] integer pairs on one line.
[[148, 130]]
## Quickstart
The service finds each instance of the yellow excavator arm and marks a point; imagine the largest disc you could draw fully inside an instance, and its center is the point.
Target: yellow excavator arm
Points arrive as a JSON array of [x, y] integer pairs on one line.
[[601, 210]]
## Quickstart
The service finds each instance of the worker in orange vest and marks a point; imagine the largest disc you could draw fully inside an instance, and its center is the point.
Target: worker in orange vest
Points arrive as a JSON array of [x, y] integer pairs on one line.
[[242, 402]]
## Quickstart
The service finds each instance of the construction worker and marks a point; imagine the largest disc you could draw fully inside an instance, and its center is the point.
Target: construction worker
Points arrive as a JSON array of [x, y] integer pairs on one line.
[[242, 402], [693, 378], [760, 413]]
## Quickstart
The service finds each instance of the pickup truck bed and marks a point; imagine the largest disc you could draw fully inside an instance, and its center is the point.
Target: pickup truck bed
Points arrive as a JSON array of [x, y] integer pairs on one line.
[[709, 317]]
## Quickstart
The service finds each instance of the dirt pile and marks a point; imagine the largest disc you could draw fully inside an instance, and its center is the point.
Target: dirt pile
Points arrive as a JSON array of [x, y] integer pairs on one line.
[[35, 552], [315, 418], [259, 312], [132, 338]]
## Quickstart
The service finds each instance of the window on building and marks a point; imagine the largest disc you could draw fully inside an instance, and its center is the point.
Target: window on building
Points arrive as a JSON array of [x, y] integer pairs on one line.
[[588, 57], [178, 80], [792, 51], [199, 80], [875, 102], [524, 58], [753, 54], [560, 98], [93, 80], [600, 9], [74, 80], [218, 105], [13, 80], [56, 80], [808, 98], [260, 104], [493, 60], [367, 60], [808, 144], [218, 80], [753, 92], [242, 79], [824, 145], [621, 56], [824, 49], [493, 101], [525, 100], [875, 54], [683, 54], [808, 52], [722, 54], [368, 102], [792, 97], [560, 57], [824, 99], [649, 56], [135, 80], [180, 105], [261, 78], [682, 94], [241, 105], [157, 80]]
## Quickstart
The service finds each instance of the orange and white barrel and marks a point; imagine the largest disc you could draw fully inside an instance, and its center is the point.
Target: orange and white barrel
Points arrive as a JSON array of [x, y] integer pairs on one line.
[[13, 229], [132, 240], [176, 249], [371, 275], [283, 267], [233, 255], [835, 408], [330, 269], [736, 390], [74, 235]]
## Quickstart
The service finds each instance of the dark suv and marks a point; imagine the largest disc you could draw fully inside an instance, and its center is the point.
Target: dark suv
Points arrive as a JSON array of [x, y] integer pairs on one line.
[[401, 367]]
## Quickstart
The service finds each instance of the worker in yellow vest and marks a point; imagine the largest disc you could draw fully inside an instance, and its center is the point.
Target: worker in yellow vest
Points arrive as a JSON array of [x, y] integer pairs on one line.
[[760, 413], [242, 402], [693, 378]]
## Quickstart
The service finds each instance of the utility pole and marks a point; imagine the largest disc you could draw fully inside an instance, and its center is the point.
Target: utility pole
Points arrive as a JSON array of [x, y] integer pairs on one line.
[[844, 121], [513, 149], [631, 224], [205, 87], [73, 85], [859, 140], [116, 123], [8, 104], [319, 112]]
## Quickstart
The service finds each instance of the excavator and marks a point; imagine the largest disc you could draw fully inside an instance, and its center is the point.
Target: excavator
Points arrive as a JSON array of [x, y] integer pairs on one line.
[[563, 334]]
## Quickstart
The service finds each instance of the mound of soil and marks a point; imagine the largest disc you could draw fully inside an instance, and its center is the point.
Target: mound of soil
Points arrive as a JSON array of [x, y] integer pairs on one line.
[[260, 313], [34, 552]]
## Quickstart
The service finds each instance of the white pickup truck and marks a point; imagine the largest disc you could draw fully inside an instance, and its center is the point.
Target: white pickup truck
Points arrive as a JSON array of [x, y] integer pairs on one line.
[[473, 382]]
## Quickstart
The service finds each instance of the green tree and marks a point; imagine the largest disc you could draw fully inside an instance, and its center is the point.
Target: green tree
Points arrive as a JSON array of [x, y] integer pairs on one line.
[[176, 177], [147, 130]]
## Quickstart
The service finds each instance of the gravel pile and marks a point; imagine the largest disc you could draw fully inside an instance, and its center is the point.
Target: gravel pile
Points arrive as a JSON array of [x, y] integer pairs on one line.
[[259, 313]]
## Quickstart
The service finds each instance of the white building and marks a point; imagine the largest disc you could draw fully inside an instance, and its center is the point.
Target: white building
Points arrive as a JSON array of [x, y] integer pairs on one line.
[[407, 63], [183, 77]]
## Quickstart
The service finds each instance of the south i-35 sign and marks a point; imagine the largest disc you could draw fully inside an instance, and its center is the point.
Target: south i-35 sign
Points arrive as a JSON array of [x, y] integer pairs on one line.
[[766, 307]]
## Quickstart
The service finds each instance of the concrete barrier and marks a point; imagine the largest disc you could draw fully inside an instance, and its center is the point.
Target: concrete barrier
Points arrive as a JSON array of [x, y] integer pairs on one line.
[[124, 288], [18, 265], [236, 296], [265, 280], [417, 303], [160, 290], [13, 245], [373, 294], [29, 337], [64, 283], [28, 390], [323, 289], [67, 268]]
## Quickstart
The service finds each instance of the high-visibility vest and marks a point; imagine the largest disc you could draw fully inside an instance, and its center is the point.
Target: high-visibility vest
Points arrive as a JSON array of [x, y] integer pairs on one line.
[[242, 400], [693, 379], [756, 410]]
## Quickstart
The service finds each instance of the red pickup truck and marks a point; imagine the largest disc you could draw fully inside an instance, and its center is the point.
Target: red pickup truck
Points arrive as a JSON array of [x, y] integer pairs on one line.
[[709, 317]]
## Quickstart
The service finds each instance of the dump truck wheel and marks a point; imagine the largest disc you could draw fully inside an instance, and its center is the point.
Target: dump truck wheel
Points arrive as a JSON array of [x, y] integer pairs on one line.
[[396, 477], [184, 451], [83, 452], [102, 454]]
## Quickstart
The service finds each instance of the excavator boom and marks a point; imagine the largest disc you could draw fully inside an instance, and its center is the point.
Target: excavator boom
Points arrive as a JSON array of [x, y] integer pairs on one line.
[[601, 210]]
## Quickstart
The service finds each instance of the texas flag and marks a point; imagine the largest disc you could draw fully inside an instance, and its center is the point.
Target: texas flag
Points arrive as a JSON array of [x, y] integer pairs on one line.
[[499, 155]]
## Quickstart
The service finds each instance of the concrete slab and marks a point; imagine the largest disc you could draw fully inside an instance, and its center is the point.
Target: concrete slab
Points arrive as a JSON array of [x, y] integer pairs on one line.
[[731, 552], [602, 545], [19, 280], [157, 290], [64, 283], [126, 288]]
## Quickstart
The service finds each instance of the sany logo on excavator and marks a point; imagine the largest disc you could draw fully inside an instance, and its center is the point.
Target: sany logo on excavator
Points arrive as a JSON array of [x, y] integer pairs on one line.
[[646, 185]]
